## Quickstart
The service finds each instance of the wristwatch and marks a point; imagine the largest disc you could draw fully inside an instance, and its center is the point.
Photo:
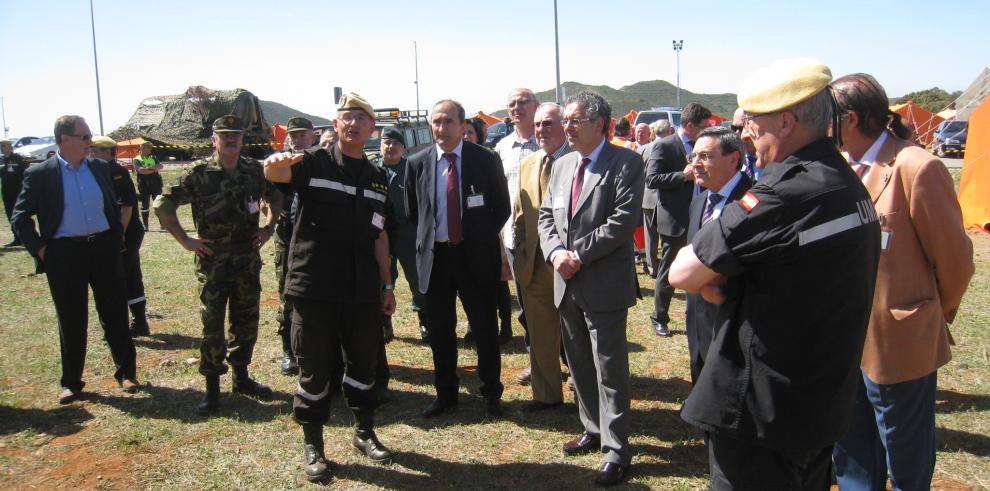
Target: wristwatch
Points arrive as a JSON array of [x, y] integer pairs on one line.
[[388, 287]]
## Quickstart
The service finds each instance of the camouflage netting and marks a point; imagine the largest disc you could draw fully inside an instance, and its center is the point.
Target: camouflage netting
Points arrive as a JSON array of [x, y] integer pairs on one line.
[[187, 119]]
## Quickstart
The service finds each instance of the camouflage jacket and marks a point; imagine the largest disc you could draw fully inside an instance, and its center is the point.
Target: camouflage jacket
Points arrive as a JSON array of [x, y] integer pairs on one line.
[[225, 204]]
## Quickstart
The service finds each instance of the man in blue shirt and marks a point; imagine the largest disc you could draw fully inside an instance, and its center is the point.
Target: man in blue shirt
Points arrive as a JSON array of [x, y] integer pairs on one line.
[[77, 243]]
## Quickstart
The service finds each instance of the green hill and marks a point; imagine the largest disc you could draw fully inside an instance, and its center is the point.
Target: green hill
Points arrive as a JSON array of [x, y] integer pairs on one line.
[[280, 113], [644, 95]]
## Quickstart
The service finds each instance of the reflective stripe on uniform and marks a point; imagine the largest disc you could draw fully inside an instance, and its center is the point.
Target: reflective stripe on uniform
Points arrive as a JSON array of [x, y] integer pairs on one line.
[[356, 384], [135, 300], [312, 397], [829, 228], [374, 195], [328, 184]]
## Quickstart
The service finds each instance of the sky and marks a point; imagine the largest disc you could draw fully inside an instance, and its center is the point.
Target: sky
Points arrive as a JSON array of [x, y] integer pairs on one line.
[[475, 52]]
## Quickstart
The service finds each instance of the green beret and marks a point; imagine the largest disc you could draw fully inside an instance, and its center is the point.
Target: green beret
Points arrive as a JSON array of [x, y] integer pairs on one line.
[[228, 124], [299, 123], [783, 84]]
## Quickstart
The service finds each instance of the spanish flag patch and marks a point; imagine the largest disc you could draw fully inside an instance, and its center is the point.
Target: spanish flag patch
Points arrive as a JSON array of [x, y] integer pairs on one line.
[[749, 201]]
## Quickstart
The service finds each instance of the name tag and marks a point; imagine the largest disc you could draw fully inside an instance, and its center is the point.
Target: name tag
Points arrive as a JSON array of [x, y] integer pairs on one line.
[[885, 239], [253, 206], [378, 221], [558, 202], [475, 200]]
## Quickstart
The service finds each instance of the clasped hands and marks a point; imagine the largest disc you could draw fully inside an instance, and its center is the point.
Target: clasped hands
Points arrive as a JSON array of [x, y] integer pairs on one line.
[[566, 263]]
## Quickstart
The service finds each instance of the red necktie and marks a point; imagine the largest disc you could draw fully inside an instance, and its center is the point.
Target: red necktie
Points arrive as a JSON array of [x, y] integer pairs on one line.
[[578, 185], [454, 232]]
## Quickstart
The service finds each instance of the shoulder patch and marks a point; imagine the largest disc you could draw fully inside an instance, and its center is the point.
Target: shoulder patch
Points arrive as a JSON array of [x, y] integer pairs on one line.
[[749, 201]]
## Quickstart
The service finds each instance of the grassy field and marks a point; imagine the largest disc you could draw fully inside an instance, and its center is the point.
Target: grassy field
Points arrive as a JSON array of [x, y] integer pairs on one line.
[[154, 439]]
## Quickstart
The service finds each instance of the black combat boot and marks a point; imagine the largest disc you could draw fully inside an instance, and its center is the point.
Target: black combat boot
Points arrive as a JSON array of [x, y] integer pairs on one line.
[[366, 441], [211, 401], [243, 384], [289, 366], [315, 463], [139, 322]]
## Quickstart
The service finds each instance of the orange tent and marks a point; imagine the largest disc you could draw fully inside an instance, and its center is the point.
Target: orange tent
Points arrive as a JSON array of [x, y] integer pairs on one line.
[[487, 118], [128, 149], [974, 187], [631, 116], [279, 132], [923, 122]]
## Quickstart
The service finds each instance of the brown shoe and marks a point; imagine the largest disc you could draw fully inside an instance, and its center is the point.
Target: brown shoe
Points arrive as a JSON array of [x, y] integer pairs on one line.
[[67, 396], [583, 443], [525, 376], [129, 385]]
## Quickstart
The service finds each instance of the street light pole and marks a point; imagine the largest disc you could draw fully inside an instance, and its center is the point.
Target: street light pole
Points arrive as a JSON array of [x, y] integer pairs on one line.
[[416, 57], [678, 46], [3, 112], [556, 47], [96, 66]]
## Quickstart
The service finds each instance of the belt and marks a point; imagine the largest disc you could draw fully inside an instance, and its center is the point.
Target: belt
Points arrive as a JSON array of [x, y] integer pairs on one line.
[[88, 238], [445, 243]]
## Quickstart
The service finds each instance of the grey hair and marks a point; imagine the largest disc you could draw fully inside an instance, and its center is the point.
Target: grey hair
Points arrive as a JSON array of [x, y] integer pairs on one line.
[[728, 141], [595, 106], [662, 127], [548, 106], [815, 113]]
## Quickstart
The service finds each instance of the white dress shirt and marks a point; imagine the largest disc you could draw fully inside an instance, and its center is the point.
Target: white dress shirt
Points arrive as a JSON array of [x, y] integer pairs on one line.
[[512, 150], [870, 157]]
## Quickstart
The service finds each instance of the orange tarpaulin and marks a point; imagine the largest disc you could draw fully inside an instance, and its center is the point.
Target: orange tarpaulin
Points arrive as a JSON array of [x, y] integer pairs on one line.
[[631, 116], [279, 132], [487, 118], [974, 187], [923, 122], [128, 149]]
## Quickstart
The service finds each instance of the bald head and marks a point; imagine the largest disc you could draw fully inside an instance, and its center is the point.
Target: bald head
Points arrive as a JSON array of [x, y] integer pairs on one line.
[[522, 106]]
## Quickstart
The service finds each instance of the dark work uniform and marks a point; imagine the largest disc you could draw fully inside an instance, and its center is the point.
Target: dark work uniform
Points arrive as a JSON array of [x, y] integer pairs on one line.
[[149, 185], [333, 281], [283, 235], [133, 237], [11, 175], [800, 251]]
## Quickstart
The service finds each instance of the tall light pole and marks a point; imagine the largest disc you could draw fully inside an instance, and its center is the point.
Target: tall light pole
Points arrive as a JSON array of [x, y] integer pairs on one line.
[[556, 47], [678, 46], [96, 67], [3, 111], [416, 58]]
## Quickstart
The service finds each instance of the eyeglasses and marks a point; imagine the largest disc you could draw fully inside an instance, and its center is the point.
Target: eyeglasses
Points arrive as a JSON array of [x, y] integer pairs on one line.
[[521, 102], [85, 137], [737, 129], [546, 123], [701, 157], [350, 118], [574, 121]]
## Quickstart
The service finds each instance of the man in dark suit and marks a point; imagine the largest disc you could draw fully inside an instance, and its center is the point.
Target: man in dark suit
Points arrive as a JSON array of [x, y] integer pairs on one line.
[[457, 196], [586, 228], [77, 243], [12, 167], [668, 171], [717, 160]]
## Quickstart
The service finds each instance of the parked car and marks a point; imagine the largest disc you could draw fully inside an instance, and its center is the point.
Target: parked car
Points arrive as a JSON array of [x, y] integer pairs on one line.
[[38, 149], [20, 141], [950, 138], [671, 114], [496, 132]]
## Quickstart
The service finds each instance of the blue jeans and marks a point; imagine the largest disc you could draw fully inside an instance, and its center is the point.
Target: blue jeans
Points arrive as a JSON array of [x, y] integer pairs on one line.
[[892, 432]]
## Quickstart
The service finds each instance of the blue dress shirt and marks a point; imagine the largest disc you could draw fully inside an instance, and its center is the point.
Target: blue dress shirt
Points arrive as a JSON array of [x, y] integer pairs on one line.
[[82, 212]]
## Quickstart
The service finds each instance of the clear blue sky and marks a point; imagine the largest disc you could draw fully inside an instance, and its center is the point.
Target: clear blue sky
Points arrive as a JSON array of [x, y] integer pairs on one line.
[[473, 51]]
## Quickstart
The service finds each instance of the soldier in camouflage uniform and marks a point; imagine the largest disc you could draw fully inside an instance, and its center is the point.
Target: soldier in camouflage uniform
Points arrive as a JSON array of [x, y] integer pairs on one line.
[[225, 191], [301, 137]]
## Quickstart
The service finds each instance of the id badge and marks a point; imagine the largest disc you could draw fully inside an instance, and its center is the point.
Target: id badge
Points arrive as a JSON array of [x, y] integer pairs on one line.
[[558, 202], [378, 221], [253, 206], [885, 235], [475, 200]]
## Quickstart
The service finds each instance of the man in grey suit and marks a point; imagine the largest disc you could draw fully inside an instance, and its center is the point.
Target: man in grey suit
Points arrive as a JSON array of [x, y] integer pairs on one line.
[[586, 226], [659, 128]]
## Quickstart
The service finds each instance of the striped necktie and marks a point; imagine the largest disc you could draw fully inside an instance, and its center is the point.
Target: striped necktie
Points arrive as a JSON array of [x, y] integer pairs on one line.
[[713, 200]]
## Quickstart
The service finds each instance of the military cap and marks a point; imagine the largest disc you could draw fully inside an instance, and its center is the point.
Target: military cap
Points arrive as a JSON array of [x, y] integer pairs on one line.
[[228, 124], [391, 133], [103, 142], [147, 144], [783, 84], [354, 101], [8, 142], [299, 124]]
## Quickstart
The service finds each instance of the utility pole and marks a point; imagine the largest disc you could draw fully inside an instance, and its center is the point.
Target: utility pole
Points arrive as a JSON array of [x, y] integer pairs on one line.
[[416, 82], [3, 113], [556, 46], [96, 67], [678, 46]]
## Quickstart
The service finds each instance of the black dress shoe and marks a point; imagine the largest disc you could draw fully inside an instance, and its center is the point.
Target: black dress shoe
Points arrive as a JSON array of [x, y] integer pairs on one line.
[[493, 409], [533, 406], [68, 395], [289, 366], [139, 328], [661, 329], [368, 444], [583, 443], [611, 474], [437, 407]]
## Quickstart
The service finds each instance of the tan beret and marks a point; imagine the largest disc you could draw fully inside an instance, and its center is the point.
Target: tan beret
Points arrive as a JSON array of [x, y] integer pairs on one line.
[[783, 84], [8, 142], [103, 142], [354, 101]]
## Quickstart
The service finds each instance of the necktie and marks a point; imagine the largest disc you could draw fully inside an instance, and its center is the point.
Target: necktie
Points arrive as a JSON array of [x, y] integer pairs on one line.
[[710, 203], [545, 167], [578, 184], [454, 232], [860, 169]]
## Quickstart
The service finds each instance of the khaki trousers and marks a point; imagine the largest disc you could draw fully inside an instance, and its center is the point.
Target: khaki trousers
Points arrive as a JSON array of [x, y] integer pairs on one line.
[[543, 321]]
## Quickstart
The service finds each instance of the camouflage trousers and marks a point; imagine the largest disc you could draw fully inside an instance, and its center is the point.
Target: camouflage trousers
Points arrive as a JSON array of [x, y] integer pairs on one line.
[[284, 314], [228, 281]]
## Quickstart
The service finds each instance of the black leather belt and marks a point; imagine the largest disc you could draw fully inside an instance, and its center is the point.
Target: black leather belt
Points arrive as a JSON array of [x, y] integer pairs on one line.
[[445, 243], [88, 238]]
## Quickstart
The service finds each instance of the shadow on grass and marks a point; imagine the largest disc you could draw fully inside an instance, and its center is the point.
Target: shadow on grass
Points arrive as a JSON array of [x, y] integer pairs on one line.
[[158, 402], [167, 341], [60, 421], [949, 401], [961, 441]]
